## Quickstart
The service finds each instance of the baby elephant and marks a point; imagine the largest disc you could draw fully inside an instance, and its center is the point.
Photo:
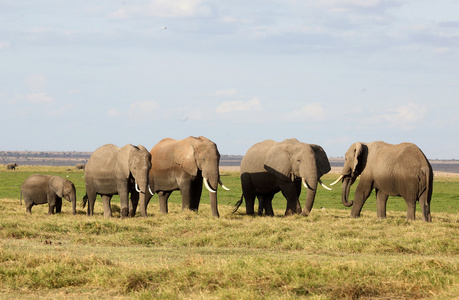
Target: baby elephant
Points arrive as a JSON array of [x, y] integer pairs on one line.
[[39, 189]]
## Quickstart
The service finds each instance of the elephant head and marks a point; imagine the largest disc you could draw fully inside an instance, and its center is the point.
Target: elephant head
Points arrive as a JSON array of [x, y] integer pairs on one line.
[[64, 189], [354, 164], [291, 160], [135, 161], [201, 154]]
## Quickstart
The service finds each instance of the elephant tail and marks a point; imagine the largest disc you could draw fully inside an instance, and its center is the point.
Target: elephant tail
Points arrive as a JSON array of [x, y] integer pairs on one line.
[[85, 199], [236, 206], [429, 182]]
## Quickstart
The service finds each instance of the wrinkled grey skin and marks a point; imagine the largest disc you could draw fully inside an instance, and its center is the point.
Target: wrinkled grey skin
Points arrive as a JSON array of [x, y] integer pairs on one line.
[[115, 171], [41, 189], [269, 167], [182, 165], [392, 170], [80, 166], [11, 166]]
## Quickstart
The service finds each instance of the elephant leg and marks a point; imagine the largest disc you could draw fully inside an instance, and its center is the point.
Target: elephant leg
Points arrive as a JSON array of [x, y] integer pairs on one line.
[[52, 199], [133, 204], [124, 203], [91, 201], [411, 209], [58, 205], [268, 204], [424, 201], [261, 205], [289, 191], [362, 192], [195, 194], [248, 192], [185, 191], [106, 199], [163, 198], [51, 209], [381, 201], [29, 207]]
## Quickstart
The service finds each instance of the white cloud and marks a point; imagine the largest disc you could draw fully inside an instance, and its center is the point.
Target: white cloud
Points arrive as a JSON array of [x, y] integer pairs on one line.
[[310, 112], [230, 106], [142, 109], [165, 8], [406, 116], [38, 98]]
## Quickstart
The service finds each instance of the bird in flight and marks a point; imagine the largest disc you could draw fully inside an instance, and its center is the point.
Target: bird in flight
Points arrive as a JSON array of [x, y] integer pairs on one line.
[[164, 27]]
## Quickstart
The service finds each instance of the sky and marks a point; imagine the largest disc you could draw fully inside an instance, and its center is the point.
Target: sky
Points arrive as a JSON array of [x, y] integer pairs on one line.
[[75, 75]]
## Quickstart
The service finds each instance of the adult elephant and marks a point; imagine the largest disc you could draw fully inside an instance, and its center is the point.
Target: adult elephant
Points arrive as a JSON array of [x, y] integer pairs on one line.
[[184, 165], [11, 166], [80, 166], [269, 167], [392, 170], [112, 170], [41, 189]]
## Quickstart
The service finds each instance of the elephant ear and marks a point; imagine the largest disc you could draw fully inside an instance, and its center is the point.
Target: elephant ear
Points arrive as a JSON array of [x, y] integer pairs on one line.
[[277, 162], [122, 160], [322, 163], [184, 157], [57, 185], [141, 147], [358, 151]]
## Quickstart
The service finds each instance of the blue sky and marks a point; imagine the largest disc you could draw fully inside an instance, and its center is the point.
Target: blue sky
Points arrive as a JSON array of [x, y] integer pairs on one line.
[[79, 74]]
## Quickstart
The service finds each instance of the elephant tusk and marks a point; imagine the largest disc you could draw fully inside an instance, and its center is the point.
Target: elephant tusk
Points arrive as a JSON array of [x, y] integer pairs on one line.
[[305, 184], [325, 187], [206, 183], [149, 189], [335, 182], [137, 188], [223, 186]]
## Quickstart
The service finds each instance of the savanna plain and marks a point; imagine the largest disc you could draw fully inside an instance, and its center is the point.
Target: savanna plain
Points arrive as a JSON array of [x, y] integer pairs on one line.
[[189, 255]]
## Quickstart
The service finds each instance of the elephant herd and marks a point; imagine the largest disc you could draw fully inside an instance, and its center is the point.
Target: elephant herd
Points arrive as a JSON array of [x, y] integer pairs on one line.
[[268, 167]]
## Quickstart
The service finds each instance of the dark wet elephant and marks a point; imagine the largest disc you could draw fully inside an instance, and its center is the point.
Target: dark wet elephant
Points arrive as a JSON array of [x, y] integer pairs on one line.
[[270, 167]]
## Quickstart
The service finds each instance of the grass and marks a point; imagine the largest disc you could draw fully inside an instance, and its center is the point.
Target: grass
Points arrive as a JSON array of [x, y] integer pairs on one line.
[[193, 255]]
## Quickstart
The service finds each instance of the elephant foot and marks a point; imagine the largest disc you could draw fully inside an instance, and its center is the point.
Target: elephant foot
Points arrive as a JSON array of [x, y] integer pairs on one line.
[[305, 213], [289, 213], [124, 213]]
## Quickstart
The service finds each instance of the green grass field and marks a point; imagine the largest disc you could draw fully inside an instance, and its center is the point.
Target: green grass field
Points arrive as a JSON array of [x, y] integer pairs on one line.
[[193, 255]]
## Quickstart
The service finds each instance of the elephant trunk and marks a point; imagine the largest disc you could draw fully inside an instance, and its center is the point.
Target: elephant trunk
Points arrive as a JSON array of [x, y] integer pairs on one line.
[[212, 182], [141, 183], [310, 196], [346, 188], [143, 198]]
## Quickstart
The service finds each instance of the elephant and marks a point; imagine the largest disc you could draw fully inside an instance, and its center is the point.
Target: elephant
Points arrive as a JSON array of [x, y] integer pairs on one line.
[[39, 189], [392, 170], [11, 166], [80, 166], [269, 167], [112, 170], [184, 165]]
